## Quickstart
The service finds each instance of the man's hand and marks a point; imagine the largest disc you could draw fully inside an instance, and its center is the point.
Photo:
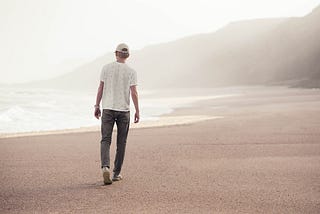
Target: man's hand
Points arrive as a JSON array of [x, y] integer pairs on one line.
[[136, 117], [97, 113]]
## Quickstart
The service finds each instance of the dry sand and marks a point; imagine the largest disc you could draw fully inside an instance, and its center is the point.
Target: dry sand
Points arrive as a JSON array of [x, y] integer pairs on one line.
[[261, 156]]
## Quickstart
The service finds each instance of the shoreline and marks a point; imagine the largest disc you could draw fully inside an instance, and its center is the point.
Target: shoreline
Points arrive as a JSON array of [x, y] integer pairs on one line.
[[181, 115]]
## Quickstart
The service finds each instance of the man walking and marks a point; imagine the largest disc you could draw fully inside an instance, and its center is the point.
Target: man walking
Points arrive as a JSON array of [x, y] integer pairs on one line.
[[117, 82]]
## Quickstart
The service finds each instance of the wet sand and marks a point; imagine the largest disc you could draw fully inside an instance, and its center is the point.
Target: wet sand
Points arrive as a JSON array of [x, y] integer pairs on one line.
[[261, 155]]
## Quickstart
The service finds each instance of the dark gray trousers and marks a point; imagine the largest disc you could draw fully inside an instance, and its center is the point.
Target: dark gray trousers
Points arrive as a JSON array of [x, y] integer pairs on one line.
[[122, 119]]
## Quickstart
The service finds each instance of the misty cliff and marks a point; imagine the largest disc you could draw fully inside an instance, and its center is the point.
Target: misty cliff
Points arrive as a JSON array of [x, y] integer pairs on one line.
[[282, 51]]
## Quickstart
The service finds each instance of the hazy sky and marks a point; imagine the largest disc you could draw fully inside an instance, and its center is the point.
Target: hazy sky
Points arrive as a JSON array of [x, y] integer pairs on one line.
[[43, 38]]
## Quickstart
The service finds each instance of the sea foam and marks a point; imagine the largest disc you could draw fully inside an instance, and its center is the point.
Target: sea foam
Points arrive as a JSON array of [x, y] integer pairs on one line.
[[34, 110]]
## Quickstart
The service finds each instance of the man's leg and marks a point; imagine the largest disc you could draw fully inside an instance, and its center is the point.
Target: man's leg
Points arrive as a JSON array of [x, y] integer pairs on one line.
[[107, 123], [123, 121]]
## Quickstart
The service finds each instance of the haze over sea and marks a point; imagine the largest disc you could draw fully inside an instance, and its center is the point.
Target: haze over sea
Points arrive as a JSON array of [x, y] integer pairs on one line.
[[39, 109]]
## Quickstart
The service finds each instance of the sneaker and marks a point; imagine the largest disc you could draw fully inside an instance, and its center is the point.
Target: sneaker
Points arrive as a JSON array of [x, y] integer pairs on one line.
[[116, 178], [106, 176]]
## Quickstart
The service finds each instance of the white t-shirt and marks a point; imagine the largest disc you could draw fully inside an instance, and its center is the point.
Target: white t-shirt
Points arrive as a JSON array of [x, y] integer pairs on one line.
[[117, 78]]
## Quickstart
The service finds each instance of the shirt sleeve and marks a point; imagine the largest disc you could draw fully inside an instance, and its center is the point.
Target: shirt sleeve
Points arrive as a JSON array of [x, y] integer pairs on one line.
[[102, 74], [133, 79]]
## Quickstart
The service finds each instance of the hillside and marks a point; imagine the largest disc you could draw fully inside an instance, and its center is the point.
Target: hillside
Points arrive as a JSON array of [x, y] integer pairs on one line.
[[282, 51]]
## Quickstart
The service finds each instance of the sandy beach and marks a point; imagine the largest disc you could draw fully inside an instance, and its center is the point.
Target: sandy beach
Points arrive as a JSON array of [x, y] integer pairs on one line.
[[257, 153]]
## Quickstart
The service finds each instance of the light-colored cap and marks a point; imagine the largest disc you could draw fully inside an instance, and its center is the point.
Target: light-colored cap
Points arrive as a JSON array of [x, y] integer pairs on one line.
[[123, 48]]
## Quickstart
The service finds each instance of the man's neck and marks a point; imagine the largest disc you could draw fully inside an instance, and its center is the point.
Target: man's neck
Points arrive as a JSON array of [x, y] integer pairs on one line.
[[121, 60]]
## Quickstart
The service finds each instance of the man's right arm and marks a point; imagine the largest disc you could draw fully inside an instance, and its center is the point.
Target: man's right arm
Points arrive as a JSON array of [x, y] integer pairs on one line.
[[134, 96]]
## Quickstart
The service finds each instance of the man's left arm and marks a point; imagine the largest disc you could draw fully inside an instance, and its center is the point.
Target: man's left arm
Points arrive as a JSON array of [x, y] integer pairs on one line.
[[97, 112]]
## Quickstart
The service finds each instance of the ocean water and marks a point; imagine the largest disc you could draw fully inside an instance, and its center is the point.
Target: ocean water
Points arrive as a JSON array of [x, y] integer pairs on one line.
[[38, 109]]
